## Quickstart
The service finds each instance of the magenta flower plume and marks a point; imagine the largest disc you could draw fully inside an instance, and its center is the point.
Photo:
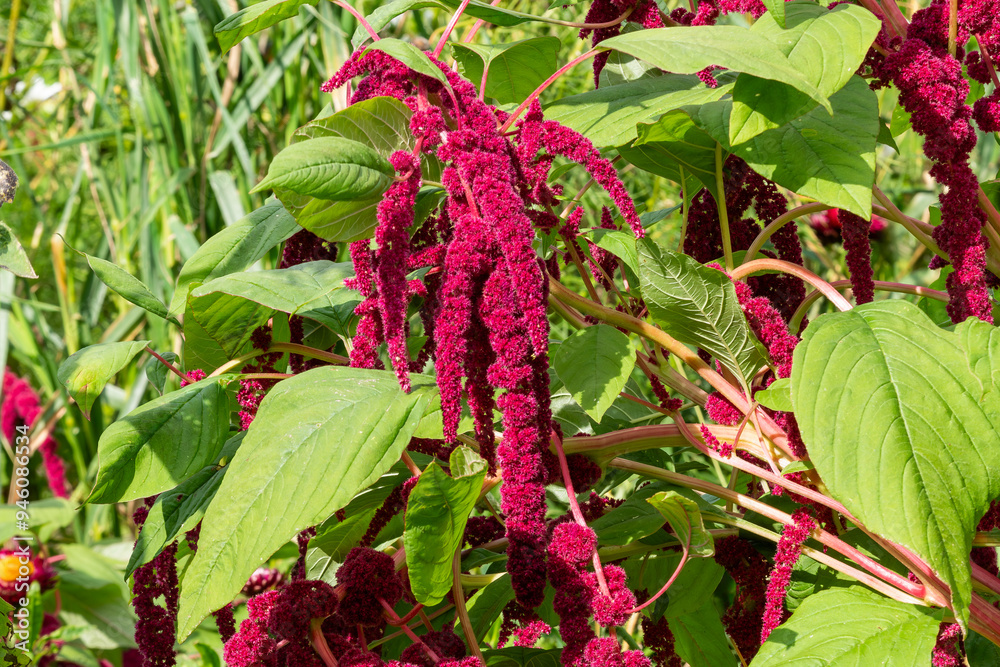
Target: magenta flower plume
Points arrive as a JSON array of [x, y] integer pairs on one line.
[[859, 255], [154, 631], [21, 407], [948, 649], [769, 327], [521, 624], [789, 550], [656, 635], [607, 652], [933, 90], [723, 449]]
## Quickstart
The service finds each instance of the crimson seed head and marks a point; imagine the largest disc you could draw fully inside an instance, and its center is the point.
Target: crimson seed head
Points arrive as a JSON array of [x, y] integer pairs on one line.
[[789, 550], [573, 543], [606, 652], [367, 576], [296, 604], [612, 611], [445, 643]]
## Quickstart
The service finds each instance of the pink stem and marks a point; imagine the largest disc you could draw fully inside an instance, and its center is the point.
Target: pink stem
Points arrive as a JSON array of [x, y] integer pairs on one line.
[[318, 642], [469, 36], [360, 18], [448, 30], [824, 287], [391, 616], [986, 578], [169, 366], [680, 566], [574, 508], [545, 84]]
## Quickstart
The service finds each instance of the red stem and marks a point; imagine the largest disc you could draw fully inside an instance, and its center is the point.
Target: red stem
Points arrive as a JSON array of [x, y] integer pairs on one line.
[[451, 26], [685, 547], [318, 642], [393, 619], [545, 84], [169, 365], [360, 18]]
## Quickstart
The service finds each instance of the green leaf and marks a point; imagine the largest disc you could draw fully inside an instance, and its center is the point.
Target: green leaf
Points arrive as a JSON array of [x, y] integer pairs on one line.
[[700, 639], [693, 49], [594, 364], [486, 605], [327, 551], [900, 420], [776, 397], [385, 13], [618, 243], [156, 372], [776, 10], [632, 521], [250, 20], [382, 123], [218, 327], [410, 56], [513, 70], [180, 509], [314, 290], [676, 148], [697, 305], [85, 373], [608, 116], [12, 255], [685, 519], [695, 584], [828, 45], [330, 168], [848, 627], [162, 442], [95, 596], [125, 285], [828, 158], [436, 513], [317, 440], [234, 249]]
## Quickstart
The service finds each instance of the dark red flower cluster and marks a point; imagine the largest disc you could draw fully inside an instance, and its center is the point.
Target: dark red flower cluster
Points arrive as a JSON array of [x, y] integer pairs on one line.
[[856, 231], [21, 407], [827, 226], [948, 650], [933, 91], [523, 624], [748, 569], [154, 631], [252, 391]]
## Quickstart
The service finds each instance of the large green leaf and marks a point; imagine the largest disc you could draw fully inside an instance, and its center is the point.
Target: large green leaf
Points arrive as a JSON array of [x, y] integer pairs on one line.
[[900, 419], [12, 255], [513, 70], [314, 290], [330, 168], [317, 440], [695, 584], [326, 552], [850, 627], [436, 513], [594, 364], [95, 597], [486, 605], [608, 116], [161, 443], [700, 639], [85, 373], [676, 148], [693, 49], [828, 158], [218, 327], [234, 249], [231, 30], [828, 46], [697, 305], [381, 123], [180, 509]]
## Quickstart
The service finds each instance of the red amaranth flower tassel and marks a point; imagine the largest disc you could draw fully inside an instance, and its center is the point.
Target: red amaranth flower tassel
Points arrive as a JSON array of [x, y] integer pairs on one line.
[[789, 550], [948, 649], [20, 407], [749, 570], [859, 255]]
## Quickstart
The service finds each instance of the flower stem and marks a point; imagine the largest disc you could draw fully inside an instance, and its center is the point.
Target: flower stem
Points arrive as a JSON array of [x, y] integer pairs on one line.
[[291, 348], [359, 17], [545, 84], [463, 614], [720, 204], [880, 285], [448, 30], [808, 276], [318, 642], [169, 365], [778, 223]]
